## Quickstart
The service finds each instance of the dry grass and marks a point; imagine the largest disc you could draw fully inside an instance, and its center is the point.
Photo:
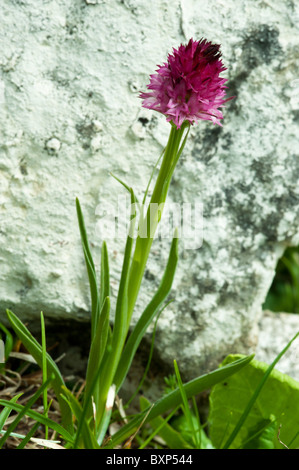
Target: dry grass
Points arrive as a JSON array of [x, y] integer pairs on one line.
[[25, 381]]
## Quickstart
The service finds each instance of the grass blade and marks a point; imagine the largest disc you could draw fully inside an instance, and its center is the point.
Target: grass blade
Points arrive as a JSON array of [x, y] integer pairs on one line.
[[35, 350], [94, 294], [151, 176], [22, 413], [173, 438], [149, 358], [6, 411], [160, 425], [173, 399], [185, 406], [28, 436], [40, 418], [83, 233], [98, 346], [87, 435]]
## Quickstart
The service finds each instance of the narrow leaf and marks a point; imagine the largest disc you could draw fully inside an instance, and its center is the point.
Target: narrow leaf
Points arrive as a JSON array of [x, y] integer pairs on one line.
[[35, 350], [28, 436], [98, 344], [149, 358], [87, 435], [109, 363], [173, 439], [22, 413], [151, 176], [185, 406], [6, 411], [256, 394], [173, 399], [94, 294], [40, 418], [147, 316], [83, 233]]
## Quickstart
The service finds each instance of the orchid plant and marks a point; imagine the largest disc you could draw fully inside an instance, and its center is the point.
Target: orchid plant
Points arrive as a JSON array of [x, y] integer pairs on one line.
[[186, 89]]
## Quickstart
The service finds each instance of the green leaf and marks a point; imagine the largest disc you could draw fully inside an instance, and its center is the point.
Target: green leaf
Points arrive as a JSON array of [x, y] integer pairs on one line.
[[120, 325], [23, 412], [181, 425], [83, 233], [229, 399], [151, 176], [186, 410], [173, 438], [86, 435], [262, 435], [106, 371], [40, 418], [147, 367], [256, 394], [28, 436], [147, 316], [94, 294], [98, 346], [35, 350], [173, 399], [7, 410]]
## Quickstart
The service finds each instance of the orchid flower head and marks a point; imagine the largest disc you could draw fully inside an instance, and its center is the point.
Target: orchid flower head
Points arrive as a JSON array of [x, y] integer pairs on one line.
[[188, 87]]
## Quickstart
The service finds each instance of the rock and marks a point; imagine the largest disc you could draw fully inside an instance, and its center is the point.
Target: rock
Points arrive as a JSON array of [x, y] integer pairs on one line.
[[276, 330], [70, 113]]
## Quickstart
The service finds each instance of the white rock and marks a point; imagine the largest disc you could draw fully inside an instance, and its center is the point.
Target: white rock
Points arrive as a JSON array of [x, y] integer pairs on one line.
[[277, 330], [71, 73], [53, 146]]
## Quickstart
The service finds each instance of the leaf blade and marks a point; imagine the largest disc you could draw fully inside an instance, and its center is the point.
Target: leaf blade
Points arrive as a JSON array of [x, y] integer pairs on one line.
[[147, 316], [35, 350], [173, 399]]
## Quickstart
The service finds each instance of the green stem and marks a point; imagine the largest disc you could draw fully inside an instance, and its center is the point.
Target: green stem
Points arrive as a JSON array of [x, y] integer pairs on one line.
[[148, 224]]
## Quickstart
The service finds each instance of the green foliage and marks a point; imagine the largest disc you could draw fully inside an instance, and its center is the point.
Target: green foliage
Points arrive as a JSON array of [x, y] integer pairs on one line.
[[174, 399], [22, 412], [38, 417], [262, 435], [182, 426], [111, 350], [160, 427], [241, 416], [36, 351], [275, 406]]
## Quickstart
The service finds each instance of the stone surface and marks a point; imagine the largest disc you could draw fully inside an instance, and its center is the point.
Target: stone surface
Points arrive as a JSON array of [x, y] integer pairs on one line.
[[70, 114]]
